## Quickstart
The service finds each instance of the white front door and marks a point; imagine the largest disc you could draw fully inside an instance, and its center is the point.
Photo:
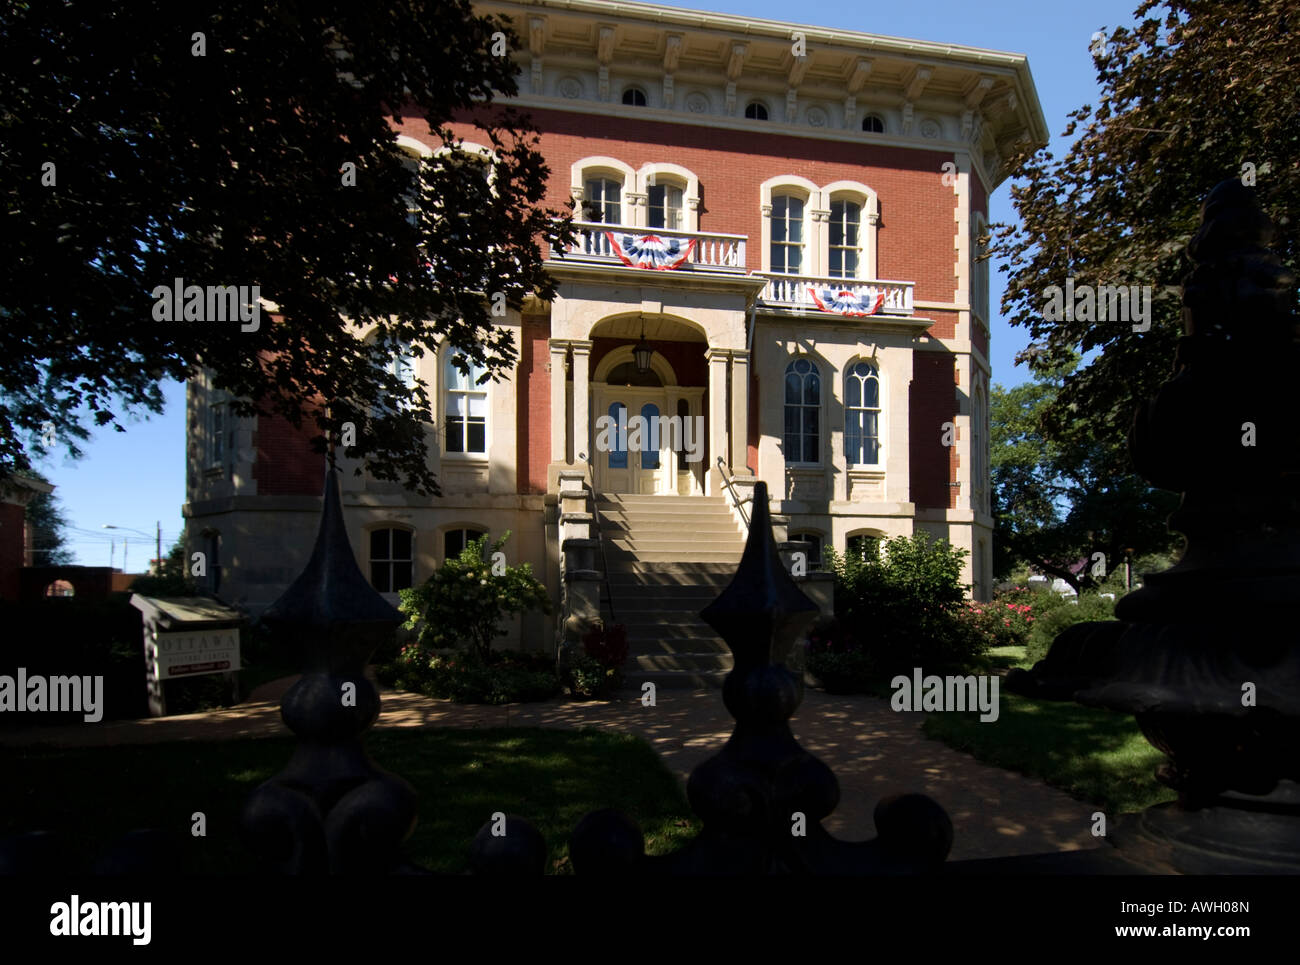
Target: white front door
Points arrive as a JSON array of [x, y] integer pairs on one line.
[[631, 451]]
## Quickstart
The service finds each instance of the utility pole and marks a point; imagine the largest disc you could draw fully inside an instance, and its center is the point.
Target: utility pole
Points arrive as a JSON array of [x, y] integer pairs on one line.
[[112, 549], [126, 545], [159, 564]]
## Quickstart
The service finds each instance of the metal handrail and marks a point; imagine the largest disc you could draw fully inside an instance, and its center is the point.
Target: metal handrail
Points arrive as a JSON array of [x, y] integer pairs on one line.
[[600, 538], [728, 481]]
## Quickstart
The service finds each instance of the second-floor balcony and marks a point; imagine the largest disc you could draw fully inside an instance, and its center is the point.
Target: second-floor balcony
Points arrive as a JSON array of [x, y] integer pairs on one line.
[[655, 248], [843, 296], [663, 249]]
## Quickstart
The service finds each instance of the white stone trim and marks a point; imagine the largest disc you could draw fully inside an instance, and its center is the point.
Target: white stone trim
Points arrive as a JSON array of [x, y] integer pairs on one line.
[[682, 177]]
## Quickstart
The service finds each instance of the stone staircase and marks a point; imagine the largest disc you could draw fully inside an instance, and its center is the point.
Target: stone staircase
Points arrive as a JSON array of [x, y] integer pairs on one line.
[[667, 558]]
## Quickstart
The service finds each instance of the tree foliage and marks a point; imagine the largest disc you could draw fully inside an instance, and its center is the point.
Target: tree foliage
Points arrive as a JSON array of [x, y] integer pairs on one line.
[[1057, 501], [213, 141], [1191, 94]]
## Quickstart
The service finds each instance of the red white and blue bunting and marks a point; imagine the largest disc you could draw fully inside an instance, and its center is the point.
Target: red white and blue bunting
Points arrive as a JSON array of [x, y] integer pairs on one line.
[[650, 251], [857, 304]]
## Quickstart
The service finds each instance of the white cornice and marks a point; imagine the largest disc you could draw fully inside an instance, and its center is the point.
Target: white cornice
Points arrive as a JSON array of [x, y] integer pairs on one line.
[[677, 49]]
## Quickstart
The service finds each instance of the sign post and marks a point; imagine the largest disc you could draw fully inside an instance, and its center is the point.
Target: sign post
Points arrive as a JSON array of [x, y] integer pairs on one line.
[[187, 637]]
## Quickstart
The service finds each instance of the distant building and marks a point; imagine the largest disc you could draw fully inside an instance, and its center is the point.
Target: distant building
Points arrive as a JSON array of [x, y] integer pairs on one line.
[[15, 535]]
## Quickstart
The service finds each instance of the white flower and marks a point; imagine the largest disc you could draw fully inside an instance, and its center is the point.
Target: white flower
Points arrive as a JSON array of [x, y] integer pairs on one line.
[[482, 582]]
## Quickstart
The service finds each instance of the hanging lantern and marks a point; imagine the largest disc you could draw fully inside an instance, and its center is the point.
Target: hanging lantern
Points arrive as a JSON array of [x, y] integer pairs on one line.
[[642, 352]]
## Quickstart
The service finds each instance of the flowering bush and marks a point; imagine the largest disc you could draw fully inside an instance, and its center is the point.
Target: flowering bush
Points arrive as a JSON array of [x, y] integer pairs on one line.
[[1001, 623], [466, 600]]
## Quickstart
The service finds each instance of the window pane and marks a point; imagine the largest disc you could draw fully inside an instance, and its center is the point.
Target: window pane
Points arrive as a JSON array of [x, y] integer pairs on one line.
[[477, 436], [401, 544], [871, 391], [837, 263], [793, 388], [455, 434], [778, 227], [794, 260], [381, 576], [850, 264], [477, 405], [453, 541], [401, 576], [795, 222], [456, 405], [812, 389], [852, 392], [379, 544]]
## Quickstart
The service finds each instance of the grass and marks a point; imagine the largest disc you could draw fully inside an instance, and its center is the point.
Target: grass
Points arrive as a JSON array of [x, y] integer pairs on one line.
[[1095, 755], [551, 777]]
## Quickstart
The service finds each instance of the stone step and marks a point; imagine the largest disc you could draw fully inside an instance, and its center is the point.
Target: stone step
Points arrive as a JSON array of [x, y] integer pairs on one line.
[[638, 616], [695, 662], [697, 543], [633, 572], [665, 595], [674, 556], [663, 523], [636, 499], [674, 679], [687, 645]]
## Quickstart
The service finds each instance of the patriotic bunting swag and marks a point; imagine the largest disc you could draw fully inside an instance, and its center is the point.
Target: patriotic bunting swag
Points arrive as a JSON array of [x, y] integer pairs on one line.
[[650, 251], [866, 302]]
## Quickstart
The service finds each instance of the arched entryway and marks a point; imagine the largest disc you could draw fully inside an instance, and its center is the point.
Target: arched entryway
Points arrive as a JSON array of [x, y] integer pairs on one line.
[[648, 431]]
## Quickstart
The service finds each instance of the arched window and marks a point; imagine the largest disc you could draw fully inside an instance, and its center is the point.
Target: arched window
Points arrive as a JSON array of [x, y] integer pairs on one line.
[[873, 124], [863, 546], [650, 440], [862, 415], [634, 97], [618, 438], [402, 366], [845, 239], [664, 206], [803, 401], [454, 541], [391, 559], [467, 407], [602, 204], [787, 234], [756, 111], [814, 550]]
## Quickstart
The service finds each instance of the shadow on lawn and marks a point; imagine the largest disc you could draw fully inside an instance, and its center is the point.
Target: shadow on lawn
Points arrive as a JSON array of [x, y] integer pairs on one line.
[[90, 796]]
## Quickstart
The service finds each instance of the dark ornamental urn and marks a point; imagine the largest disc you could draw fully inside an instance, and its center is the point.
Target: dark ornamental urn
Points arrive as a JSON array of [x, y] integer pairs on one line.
[[1206, 656]]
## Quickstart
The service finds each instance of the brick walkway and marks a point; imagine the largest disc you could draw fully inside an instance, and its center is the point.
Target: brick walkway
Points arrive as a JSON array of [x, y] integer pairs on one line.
[[873, 751]]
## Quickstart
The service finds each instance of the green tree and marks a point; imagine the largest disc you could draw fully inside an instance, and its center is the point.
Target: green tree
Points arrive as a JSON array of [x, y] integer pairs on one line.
[[46, 522], [1192, 93], [1056, 501], [173, 576], [467, 599], [235, 143]]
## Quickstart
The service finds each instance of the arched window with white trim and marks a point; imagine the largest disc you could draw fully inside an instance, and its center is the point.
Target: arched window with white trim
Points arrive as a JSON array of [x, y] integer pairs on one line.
[[862, 415], [803, 406], [466, 407], [845, 239], [787, 250]]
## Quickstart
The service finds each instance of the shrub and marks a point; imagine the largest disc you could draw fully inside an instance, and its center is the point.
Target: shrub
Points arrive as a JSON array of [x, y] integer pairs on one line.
[[597, 671], [902, 609], [1003, 622], [1090, 606], [506, 676], [466, 600]]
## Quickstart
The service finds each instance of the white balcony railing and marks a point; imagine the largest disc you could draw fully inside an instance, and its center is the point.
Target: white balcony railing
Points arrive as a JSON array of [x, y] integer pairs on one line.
[[710, 252], [797, 291]]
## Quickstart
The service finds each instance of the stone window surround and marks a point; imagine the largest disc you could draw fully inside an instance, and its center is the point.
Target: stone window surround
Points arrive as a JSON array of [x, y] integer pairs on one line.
[[816, 227], [635, 194]]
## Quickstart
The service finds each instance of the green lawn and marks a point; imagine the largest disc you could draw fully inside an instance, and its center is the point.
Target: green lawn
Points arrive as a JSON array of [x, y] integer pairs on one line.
[[1096, 755], [551, 777]]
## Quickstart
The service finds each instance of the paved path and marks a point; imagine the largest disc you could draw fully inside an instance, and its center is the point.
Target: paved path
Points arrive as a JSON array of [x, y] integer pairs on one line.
[[873, 751]]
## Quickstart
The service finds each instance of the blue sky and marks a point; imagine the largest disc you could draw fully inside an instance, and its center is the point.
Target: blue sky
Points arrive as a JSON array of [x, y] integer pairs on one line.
[[136, 479]]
